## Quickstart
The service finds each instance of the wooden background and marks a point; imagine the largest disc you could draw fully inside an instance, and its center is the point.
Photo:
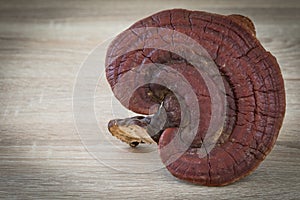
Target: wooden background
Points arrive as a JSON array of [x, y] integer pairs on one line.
[[42, 45]]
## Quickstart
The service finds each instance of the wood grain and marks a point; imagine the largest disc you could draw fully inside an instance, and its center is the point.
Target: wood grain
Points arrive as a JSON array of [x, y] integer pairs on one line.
[[42, 45]]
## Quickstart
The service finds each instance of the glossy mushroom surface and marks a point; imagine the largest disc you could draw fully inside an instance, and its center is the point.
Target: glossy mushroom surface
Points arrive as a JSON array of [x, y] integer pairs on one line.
[[254, 95]]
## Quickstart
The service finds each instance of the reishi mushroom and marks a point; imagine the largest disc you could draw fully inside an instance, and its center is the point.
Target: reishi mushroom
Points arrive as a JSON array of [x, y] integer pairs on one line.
[[253, 92]]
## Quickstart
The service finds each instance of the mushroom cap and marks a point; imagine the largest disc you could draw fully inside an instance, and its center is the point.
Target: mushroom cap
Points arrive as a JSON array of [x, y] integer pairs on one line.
[[254, 87]]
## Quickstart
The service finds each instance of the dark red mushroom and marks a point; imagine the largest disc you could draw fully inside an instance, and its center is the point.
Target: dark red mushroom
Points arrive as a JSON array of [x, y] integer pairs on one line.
[[253, 90]]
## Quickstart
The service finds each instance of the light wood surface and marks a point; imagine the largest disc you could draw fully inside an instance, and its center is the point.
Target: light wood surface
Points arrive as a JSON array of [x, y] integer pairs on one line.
[[42, 46]]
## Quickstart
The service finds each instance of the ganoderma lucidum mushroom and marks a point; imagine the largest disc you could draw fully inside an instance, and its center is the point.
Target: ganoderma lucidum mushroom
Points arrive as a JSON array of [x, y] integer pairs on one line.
[[253, 92]]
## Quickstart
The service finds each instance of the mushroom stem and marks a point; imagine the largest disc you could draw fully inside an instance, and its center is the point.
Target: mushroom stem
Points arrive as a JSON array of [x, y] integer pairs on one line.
[[139, 129], [135, 130], [131, 130]]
